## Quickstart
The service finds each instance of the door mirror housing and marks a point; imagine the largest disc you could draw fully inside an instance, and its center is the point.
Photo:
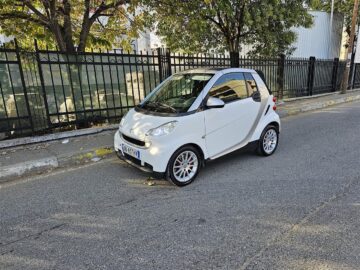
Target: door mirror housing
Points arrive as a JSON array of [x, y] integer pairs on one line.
[[214, 102], [256, 96]]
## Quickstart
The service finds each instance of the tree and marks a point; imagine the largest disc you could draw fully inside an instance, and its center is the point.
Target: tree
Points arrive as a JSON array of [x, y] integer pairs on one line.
[[344, 7], [198, 25], [71, 25]]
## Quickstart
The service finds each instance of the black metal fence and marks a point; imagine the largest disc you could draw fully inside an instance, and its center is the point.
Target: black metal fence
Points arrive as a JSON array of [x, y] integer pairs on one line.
[[45, 90]]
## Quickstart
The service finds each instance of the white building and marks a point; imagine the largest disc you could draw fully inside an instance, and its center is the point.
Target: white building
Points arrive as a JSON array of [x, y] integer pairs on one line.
[[4, 39], [319, 40]]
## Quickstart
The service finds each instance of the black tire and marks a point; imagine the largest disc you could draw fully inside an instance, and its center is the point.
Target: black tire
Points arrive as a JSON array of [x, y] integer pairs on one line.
[[170, 170], [260, 147]]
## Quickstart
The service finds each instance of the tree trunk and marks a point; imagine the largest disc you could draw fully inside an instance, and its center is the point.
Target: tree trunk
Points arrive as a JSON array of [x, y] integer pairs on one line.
[[234, 59], [234, 53]]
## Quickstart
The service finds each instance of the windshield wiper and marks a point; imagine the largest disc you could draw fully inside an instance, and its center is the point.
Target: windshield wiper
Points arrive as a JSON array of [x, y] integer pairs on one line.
[[155, 104]]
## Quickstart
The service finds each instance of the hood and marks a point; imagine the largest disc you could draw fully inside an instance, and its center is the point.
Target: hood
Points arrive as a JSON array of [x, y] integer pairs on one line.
[[136, 124]]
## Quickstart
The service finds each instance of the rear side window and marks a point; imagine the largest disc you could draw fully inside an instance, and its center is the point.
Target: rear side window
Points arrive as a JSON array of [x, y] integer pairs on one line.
[[250, 83], [230, 87]]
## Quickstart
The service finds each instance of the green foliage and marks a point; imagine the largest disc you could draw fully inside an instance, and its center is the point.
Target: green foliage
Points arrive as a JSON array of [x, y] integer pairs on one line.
[[71, 24], [199, 25], [341, 6]]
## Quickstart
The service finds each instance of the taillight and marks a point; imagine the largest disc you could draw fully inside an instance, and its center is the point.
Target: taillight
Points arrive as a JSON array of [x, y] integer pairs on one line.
[[274, 107], [274, 99]]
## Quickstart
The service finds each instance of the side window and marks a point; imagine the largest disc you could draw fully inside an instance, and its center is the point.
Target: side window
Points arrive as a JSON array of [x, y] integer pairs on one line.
[[250, 83], [230, 87]]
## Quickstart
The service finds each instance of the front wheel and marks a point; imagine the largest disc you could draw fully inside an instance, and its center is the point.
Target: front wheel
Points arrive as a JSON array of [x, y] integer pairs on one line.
[[184, 165], [268, 141]]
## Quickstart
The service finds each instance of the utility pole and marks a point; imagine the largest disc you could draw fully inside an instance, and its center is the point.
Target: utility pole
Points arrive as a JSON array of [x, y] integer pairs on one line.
[[345, 80], [331, 29]]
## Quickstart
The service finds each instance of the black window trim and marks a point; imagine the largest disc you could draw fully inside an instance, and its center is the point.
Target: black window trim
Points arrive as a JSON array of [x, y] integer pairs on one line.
[[262, 77], [235, 100], [257, 87]]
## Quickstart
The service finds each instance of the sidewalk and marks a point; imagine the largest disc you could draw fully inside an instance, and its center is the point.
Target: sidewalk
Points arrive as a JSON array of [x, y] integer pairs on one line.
[[26, 156]]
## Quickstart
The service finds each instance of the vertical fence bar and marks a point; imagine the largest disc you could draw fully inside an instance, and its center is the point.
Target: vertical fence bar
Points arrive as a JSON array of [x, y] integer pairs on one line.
[[89, 87], [124, 75], [111, 83], [119, 84], [24, 84], [13, 92], [311, 72], [137, 75], [78, 64], [53, 86], [5, 109], [63, 88], [96, 82], [280, 76], [160, 64], [104, 84], [42, 82], [168, 59], [334, 74]]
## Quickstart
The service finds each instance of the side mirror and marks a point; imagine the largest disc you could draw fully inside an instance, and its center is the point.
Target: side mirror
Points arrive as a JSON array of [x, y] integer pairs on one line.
[[214, 102], [256, 96]]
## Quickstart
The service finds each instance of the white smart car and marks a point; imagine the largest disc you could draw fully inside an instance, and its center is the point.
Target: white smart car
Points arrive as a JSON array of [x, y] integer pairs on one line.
[[198, 115]]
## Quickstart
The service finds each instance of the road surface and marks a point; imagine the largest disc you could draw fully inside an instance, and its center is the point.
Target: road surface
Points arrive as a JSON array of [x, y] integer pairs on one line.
[[298, 209]]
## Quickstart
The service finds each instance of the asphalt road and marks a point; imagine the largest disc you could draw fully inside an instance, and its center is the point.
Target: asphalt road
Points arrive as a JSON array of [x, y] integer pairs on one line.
[[299, 209]]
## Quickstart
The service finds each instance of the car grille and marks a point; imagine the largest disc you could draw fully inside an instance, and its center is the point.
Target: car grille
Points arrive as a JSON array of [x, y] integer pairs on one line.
[[133, 141]]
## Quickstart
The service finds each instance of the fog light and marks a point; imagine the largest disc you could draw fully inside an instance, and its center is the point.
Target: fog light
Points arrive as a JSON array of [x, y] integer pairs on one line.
[[154, 150], [147, 144]]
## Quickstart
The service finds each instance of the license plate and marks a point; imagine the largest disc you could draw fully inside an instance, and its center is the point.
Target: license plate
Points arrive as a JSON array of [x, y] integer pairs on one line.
[[131, 151]]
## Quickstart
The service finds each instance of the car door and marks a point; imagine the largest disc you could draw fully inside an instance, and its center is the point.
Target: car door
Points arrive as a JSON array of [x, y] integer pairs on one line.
[[229, 126]]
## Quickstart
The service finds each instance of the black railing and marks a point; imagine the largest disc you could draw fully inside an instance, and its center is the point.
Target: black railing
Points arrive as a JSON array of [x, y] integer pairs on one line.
[[45, 90]]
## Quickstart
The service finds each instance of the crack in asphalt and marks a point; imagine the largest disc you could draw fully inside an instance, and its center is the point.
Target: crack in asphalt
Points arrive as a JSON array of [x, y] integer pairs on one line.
[[31, 235], [283, 236]]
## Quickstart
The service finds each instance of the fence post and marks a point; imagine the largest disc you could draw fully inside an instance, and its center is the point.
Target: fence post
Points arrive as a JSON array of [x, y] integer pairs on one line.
[[235, 59], [41, 76], [160, 64], [334, 74], [280, 76], [168, 58], [311, 72], [23, 84]]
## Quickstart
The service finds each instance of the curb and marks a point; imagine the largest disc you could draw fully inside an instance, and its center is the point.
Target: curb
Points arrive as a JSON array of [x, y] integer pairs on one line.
[[12, 172], [55, 136], [28, 167], [316, 106]]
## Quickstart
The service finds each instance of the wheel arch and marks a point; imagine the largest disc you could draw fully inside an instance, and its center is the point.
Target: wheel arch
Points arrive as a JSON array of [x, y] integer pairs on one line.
[[275, 124], [196, 146], [270, 119]]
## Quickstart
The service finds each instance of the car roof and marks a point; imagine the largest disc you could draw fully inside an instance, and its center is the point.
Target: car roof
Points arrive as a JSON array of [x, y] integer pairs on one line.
[[216, 70]]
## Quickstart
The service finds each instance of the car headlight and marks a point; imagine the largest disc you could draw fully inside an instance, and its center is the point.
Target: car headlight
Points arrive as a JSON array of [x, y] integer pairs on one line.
[[162, 130]]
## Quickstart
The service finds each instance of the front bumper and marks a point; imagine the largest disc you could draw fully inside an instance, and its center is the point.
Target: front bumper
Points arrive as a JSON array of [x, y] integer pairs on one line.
[[152, 160]]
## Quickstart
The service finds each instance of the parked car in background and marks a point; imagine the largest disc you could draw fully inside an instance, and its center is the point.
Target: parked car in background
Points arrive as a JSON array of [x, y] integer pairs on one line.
[[198, 115]]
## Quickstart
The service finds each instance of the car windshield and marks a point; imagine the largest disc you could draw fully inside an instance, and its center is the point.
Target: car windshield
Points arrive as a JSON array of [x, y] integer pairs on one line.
[[177, 94]]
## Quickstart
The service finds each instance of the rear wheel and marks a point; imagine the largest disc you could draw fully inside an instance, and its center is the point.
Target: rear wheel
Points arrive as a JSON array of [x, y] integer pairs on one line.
[[184, 165], [268, 141]]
